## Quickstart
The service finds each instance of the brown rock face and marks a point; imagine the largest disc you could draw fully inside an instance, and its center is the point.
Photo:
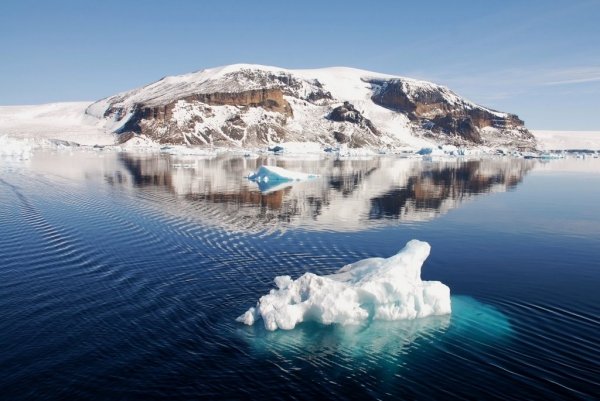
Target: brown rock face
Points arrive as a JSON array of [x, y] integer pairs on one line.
[[156, 121], [269, 99], [430, 109], [364, 132]]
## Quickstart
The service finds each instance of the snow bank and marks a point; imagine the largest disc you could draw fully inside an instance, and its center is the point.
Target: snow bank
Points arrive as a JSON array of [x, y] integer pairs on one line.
[[370, 289], [272, 174]]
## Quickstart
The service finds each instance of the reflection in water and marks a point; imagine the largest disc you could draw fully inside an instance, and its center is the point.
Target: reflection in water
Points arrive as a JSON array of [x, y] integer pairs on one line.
[[349, 195], [115, 249]]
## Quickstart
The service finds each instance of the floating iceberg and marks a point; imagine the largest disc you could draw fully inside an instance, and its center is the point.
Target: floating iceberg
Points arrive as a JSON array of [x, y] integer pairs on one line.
[[271, 179], [271, 174], [370, 289]]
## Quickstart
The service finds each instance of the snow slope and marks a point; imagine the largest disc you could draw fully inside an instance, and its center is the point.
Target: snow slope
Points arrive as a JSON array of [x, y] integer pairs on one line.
[[61, 121], [565, 140]]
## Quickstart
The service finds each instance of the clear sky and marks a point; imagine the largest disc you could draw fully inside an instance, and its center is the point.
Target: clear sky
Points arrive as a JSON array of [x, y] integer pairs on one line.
[[538, 59]]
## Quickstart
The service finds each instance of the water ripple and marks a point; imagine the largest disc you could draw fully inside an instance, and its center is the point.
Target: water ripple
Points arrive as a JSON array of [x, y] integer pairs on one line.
[[130, 291]]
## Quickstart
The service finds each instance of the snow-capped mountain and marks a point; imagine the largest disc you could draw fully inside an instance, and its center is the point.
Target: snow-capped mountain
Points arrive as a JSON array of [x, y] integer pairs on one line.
[[251, 105]]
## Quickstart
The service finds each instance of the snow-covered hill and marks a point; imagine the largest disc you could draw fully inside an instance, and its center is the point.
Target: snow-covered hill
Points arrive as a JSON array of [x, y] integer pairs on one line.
[[251, 105], [57, 121], [567, 140]]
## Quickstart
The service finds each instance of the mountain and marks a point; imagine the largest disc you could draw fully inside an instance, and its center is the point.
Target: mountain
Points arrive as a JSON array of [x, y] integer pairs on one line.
[[252, 106]]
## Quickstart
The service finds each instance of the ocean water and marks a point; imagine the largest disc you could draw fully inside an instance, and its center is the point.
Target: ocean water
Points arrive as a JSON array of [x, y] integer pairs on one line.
[[121, 276]]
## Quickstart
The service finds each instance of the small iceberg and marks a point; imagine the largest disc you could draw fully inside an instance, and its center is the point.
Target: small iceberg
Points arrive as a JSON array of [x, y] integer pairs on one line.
[[272, 174], [271, 178], [370, 289]]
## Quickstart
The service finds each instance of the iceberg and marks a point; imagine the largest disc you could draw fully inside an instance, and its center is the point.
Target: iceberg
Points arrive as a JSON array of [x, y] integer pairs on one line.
[[370, 289], [270, 174]]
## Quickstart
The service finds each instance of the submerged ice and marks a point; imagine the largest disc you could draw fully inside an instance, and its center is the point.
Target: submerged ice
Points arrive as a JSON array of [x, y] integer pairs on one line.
[[370, 289]]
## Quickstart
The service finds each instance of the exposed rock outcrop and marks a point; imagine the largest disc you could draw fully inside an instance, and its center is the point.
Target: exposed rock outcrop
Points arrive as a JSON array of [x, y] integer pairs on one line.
[[366, 129], [159, 122], [440, 111]]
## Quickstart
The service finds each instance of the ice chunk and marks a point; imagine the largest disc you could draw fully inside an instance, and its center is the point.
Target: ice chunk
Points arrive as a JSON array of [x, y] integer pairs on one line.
[[370, 289], [272, 174]]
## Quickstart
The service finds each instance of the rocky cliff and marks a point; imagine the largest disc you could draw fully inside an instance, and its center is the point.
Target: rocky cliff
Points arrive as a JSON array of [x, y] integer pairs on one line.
[[248, 106]]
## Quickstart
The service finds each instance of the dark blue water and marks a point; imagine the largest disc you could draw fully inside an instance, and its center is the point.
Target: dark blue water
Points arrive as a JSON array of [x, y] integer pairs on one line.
[[121, 277]]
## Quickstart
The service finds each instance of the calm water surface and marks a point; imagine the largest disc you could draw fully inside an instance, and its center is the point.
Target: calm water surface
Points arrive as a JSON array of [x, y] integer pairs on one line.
[[121, 276]]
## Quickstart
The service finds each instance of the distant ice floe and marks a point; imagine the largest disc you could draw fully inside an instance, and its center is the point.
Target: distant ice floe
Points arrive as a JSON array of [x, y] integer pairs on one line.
[[370, 289]]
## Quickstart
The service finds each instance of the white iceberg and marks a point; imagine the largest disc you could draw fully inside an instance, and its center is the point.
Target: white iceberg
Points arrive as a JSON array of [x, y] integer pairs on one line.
[[370, 289], [277, 174]]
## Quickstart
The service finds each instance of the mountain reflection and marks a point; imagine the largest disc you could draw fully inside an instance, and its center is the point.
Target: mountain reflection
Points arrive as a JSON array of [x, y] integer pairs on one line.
[[349, 195]]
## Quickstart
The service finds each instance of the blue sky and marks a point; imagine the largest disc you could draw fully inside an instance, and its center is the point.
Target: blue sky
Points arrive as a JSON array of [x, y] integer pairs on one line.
[[538, 59]]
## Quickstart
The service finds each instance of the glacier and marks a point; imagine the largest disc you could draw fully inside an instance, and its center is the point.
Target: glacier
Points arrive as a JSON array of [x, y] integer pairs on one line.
[[13, 147], [367, 290]]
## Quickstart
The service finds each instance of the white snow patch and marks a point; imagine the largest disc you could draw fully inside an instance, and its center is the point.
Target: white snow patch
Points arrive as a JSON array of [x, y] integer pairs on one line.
[[370, 289]]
